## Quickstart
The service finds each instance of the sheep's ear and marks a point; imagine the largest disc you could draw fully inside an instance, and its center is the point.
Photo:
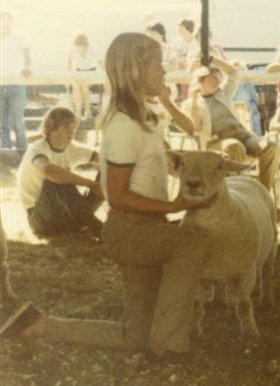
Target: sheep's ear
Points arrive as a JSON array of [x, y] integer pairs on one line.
[[176, 158], [232, 166]]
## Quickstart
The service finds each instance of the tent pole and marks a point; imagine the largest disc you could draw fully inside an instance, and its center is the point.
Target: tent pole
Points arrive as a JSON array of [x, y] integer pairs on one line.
[[204, 42]]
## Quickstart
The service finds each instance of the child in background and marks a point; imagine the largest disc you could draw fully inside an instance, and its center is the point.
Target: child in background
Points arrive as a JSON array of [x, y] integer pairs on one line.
[[83, 56]]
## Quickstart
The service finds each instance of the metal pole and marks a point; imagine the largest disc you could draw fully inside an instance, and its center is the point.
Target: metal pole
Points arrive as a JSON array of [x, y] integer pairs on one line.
[[204, 42]]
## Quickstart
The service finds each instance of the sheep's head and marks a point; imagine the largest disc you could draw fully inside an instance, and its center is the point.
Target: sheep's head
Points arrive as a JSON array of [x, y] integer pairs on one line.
[[202, 173]]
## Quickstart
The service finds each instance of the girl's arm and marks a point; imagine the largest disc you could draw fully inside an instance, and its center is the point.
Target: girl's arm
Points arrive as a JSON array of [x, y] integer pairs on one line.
[[121, 198], [180, 118]]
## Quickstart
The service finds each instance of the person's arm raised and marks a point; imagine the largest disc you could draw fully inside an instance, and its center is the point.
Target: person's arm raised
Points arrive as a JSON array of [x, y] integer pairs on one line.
[[223, 65]]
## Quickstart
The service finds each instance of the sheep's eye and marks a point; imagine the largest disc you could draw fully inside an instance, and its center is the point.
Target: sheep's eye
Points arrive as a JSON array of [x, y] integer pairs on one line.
[[220, 167]]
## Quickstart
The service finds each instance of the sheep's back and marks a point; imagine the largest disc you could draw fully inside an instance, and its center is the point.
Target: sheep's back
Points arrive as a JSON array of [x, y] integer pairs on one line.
[[241, 227]]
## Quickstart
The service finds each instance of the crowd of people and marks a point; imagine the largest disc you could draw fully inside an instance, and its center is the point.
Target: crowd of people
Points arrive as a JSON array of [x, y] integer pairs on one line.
[[181, 53], [159, 261]]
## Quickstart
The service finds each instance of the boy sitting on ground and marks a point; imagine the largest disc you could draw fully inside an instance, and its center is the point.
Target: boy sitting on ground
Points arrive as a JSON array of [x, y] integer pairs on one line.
[[47, 183]]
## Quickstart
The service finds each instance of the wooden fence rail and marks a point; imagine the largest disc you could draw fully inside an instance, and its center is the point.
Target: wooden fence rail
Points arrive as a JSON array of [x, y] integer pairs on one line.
[[99, 77]]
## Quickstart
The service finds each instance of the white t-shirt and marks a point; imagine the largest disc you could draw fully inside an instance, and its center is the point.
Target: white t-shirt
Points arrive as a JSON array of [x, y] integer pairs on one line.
[[87, 61], [30, 179], [126, 143], [180, 47], [12, 61], [169, 59]]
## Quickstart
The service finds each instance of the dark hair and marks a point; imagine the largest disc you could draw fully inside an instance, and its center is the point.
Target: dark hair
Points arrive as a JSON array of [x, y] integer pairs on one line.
[[188, 24], [81, 40], [159, 28]]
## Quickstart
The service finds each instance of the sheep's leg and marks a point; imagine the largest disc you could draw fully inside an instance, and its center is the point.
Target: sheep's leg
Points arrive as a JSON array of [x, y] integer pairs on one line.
[[220, 294], [244, 306], [205, 293], [197, 317], [267, 293], [231, 297]]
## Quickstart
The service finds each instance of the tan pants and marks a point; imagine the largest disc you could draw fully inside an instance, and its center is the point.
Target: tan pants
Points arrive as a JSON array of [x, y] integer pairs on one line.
[[266, 152], [161, 263], [161, 266]]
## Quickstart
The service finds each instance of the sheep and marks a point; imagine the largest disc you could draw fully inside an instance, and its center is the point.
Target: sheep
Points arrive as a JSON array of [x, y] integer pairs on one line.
[[240, 228]]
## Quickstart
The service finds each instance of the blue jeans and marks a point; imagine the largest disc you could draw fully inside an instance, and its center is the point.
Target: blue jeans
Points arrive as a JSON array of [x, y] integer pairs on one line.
[[12, 102], [62, 209]]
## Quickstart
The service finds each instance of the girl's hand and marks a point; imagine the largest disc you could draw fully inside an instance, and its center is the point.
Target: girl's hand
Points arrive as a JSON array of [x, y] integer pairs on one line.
[[165, 95], [182, 204]]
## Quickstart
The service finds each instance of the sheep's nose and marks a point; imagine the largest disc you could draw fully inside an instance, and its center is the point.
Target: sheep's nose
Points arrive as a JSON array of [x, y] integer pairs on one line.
[[193, 184]]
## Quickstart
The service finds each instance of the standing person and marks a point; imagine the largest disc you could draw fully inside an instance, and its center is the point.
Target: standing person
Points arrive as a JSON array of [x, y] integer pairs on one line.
[[47, 184], [186, 48], [15, 63], [187, 31], [157, 31], [160, 262], [83, 56], [169, 61], [247, 93]]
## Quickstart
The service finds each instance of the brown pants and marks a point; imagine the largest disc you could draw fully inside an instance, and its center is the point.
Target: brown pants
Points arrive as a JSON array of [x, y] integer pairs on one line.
[[161, 266]]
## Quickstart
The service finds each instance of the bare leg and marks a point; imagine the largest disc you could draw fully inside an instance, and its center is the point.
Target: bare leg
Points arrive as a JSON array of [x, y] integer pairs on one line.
[[77, 96], [85, 97], [244, 306], [97, 128]]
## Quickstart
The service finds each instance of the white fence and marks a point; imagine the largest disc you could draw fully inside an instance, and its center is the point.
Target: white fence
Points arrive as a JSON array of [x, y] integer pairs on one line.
[[99, 77]]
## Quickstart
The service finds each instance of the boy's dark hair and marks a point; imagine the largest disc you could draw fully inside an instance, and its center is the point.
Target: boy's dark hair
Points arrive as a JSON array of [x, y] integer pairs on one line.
[[57, 117]]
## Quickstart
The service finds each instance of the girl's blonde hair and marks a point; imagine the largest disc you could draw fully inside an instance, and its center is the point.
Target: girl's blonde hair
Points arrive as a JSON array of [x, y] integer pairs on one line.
[[127, 60], [57, 117]]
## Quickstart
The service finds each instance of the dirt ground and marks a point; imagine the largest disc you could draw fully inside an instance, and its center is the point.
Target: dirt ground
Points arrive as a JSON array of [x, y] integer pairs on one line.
[[72, 277]]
